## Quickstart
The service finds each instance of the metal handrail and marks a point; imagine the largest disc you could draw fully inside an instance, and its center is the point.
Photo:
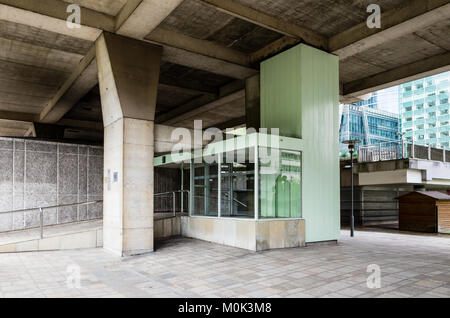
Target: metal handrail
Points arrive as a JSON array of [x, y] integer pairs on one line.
[[394, 150], [53, 207], [174, 199], [170, 192], [41, 211]]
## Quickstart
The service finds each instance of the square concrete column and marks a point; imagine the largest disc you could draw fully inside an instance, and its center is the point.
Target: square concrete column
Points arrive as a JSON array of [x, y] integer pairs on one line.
[[128, 75], [253, 102]]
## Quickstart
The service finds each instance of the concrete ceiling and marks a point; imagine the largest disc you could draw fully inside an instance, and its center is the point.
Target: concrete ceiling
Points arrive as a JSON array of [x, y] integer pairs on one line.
[[48, 72]]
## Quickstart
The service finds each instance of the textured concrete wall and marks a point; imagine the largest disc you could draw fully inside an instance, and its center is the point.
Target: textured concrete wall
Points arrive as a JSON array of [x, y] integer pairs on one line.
[[38, 174]]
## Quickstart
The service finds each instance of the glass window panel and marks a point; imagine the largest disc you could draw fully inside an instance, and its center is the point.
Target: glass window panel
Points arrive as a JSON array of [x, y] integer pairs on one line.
[[280, 183], [238, 186], [205, 190]]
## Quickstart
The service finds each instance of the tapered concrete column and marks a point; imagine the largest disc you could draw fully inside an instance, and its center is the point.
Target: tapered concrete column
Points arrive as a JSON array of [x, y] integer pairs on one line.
[[128, 76], [253, 102]]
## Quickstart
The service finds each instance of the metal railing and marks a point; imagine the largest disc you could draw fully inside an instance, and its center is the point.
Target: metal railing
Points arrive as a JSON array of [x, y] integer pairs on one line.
[[161, 208], [42, 209], [401, 150]]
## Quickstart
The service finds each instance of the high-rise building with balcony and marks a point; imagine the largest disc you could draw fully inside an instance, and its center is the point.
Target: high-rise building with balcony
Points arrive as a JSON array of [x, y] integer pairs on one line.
[[425, 110]]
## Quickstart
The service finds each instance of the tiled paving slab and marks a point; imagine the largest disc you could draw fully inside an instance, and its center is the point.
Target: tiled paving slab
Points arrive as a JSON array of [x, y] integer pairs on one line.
[[411, 266]]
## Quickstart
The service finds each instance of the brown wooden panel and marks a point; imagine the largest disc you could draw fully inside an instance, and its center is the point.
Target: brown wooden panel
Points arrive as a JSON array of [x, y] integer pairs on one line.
[[417, 216], [444, 218]]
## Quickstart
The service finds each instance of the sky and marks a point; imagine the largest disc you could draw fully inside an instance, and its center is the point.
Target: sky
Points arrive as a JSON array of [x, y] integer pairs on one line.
[[388, 99]]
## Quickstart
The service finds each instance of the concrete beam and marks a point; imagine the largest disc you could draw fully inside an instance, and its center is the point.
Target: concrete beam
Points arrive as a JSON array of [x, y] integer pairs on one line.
[[14, 128], [11, 132], [232, 123], [178, 48], [273, 48], [83, 124], [207, 107], [44, 22], [166, 117], [145, 17], [48, 131], [206, 63], [403, 74], [16, 116], [137, 24], [201, 101], [82, 80], [181, 49], [207, 48], [269, 22], [164, 142], [57, 9], [185, 90], [412, 16]]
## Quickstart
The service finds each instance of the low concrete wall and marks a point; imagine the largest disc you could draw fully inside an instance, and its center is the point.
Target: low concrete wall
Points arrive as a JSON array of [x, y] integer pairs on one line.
[[163, 228], [248, 234], [86, 239], [168, 227]]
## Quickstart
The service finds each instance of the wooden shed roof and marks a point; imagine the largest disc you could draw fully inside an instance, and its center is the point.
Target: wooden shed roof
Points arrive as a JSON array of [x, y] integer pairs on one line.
[[432, 194]]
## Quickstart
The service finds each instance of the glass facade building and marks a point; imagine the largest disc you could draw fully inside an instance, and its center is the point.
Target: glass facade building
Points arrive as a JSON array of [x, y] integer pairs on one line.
[[425, 110], [367, 124]]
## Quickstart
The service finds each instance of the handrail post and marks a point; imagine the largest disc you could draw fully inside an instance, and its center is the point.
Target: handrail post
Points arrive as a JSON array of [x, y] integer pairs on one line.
[[41, 216], [443, 154], [413, 150], [174, 204], [403, 149], [429, 151]]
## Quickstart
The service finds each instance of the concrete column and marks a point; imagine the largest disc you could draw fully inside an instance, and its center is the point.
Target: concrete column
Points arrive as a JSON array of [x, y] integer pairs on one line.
[[253, 102], [128, 75]]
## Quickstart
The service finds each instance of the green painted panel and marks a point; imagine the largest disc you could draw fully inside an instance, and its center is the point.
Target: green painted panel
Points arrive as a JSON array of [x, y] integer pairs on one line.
[[300, 96]]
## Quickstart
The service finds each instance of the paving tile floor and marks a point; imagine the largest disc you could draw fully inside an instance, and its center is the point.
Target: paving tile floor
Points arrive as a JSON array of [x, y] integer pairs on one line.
[[411, 266]]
